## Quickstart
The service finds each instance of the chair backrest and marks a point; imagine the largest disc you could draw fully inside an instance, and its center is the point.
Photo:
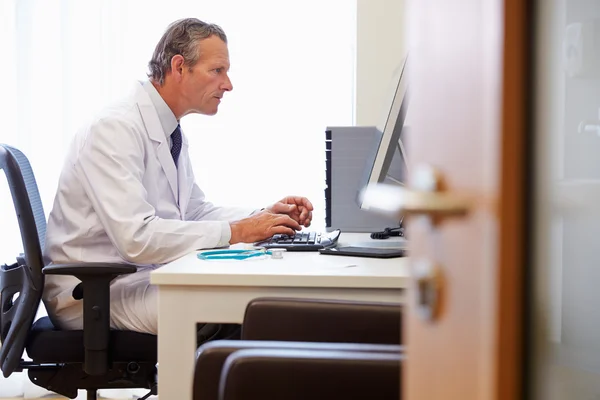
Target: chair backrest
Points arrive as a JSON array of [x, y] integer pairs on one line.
[[21, 283]]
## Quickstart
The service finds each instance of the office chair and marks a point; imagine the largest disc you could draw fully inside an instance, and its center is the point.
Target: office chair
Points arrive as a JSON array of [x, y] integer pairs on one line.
[[322, 320], [63, 361], [293, 337], [247, 370]]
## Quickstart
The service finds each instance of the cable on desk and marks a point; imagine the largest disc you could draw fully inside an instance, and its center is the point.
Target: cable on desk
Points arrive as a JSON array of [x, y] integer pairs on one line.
[[388, 232]]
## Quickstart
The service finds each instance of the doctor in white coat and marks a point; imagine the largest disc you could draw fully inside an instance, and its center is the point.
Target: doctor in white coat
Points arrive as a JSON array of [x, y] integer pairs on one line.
[[127, 191]]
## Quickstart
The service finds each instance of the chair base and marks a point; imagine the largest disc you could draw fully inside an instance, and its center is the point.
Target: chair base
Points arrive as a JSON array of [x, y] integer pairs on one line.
[[67, 379]]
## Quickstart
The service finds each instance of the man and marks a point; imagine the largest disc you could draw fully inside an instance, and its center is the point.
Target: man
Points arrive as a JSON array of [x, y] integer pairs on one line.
[[127, 192]]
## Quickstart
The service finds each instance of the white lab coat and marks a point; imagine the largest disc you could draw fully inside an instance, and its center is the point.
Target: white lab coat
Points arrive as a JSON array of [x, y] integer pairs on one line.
[[121, 199]]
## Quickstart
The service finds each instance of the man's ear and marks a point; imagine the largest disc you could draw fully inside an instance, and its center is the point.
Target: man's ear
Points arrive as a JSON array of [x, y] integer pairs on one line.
[[177, 65]]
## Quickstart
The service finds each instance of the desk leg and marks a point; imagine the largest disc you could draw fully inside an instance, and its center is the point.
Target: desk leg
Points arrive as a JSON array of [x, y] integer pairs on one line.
[[176, 346]]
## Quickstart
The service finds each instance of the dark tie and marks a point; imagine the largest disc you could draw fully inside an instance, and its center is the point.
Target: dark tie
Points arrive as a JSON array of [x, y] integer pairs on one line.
[[176, 144]]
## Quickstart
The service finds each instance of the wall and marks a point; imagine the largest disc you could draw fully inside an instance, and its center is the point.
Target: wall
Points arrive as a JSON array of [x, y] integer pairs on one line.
[[566, 301], [580, 311], [380, 49]]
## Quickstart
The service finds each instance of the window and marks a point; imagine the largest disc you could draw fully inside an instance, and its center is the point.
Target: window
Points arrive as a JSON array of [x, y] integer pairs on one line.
[[292, 71]]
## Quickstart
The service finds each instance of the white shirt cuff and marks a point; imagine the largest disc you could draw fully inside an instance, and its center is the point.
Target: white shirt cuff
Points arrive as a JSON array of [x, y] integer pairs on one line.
[[225, 234]]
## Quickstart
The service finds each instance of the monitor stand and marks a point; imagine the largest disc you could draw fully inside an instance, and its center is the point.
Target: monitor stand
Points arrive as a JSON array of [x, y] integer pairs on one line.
[[400, 152], [392, 247], [392, 242]]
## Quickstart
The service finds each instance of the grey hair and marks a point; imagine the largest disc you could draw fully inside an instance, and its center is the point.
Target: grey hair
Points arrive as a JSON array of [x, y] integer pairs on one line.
[[181, 37]]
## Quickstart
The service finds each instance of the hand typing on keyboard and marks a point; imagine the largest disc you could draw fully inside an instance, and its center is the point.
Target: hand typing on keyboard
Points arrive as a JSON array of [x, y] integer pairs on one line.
[[260, 226], [298, 208], [284, 217]]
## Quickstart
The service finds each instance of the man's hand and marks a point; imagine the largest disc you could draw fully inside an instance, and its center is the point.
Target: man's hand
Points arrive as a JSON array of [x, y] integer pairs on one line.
[[262, 226], [298, 208]]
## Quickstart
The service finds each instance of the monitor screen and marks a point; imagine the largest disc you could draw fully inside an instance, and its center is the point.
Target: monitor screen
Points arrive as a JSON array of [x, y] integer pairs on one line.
[[386, 161]]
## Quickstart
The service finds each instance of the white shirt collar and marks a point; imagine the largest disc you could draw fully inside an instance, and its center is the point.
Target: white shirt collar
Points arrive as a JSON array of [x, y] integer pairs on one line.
[[165, 115]]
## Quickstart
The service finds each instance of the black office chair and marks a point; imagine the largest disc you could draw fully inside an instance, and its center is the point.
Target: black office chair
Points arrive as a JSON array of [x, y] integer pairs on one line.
[[246, 370], [292, 343], [63, 361]]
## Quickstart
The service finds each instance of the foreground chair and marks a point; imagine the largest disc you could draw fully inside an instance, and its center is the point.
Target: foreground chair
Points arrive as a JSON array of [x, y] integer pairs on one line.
[[306, 349], [248, 370], [320, 320]]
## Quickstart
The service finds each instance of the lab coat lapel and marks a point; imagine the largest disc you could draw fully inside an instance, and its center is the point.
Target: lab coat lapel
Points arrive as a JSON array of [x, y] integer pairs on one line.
[[184, 183], [155, 133]]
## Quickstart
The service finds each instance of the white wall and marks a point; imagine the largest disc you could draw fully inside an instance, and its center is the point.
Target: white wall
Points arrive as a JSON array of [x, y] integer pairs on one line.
[[381, 47]]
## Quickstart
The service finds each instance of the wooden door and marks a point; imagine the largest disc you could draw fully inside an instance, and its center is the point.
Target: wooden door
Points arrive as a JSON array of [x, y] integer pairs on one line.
[[468, 110]]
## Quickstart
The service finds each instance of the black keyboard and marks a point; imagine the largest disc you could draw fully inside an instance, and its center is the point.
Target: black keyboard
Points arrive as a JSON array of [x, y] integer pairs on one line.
[[302, 241]]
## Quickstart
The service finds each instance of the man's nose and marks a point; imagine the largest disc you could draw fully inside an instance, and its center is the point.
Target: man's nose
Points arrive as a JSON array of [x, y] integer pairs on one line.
[[227, 85]]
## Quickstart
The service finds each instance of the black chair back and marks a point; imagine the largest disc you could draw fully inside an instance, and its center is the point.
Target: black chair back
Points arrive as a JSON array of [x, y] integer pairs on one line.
[[21, 283]]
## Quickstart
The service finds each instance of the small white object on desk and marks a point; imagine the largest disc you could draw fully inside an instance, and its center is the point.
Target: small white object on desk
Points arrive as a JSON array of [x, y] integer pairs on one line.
[[277, 253]]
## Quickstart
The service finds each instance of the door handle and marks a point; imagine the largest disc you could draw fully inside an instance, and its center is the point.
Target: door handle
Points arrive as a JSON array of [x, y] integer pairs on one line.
[[425, 198]]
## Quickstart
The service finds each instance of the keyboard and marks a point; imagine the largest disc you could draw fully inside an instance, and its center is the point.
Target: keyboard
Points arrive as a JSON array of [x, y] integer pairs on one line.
[[302, 241]]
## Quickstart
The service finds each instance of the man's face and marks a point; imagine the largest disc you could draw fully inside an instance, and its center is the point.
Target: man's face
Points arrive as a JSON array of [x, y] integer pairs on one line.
[[204, 86]]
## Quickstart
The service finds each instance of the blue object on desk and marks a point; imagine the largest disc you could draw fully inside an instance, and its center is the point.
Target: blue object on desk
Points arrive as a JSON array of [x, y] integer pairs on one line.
[[232, 254]]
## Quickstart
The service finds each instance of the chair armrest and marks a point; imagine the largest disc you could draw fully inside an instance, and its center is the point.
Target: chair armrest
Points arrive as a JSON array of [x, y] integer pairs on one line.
[[322, 321], [94, 289], [310, 374], [211, 357], [89, 269]]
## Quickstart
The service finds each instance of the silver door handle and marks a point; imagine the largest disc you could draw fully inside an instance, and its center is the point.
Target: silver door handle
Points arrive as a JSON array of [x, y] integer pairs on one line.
[[424, 198]]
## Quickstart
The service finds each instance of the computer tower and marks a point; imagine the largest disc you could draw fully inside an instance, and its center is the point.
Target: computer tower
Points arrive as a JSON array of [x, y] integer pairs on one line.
[[346, 153]]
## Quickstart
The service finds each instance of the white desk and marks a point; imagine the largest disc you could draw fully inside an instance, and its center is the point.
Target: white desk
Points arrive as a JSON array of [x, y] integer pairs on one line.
[[193, 290]]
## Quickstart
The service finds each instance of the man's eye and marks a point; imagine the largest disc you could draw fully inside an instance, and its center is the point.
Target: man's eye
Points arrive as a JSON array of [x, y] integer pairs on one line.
[[219, 70]]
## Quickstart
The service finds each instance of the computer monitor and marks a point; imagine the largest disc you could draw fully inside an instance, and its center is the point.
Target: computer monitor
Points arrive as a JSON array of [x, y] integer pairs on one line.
[[388, 153]]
